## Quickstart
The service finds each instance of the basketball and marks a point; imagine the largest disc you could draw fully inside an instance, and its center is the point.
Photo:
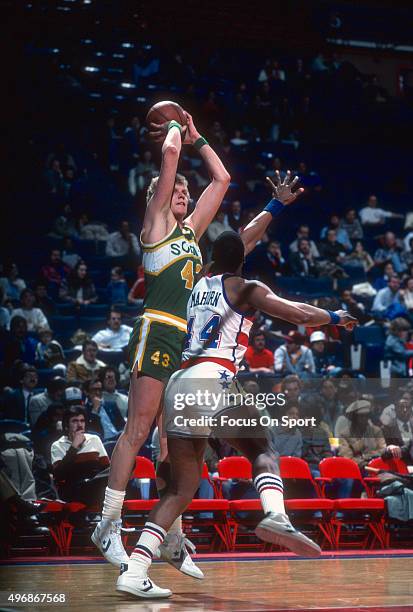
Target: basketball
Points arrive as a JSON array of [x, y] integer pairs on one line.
[[166, 111]]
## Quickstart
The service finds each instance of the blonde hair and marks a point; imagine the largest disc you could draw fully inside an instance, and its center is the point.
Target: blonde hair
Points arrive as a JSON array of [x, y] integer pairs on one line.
[[179, 178]]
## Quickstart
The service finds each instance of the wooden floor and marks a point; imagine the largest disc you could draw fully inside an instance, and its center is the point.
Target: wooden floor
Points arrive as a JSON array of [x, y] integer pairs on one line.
[[241, 586]]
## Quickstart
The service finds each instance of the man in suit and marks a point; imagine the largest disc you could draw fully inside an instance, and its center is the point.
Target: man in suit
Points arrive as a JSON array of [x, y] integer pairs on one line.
[[303, 263], [15, 403], [400, 431], [104, 417]]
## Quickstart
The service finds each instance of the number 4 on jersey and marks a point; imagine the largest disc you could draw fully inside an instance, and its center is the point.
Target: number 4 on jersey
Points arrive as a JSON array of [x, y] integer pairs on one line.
[[209, 334], [187, 273]]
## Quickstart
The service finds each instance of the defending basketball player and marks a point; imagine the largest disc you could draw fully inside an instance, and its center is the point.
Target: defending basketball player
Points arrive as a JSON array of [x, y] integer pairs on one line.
[[171, 259], [219, 321]]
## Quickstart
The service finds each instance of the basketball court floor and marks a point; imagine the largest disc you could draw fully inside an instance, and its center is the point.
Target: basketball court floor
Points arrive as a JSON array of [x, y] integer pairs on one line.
[[346, 581]]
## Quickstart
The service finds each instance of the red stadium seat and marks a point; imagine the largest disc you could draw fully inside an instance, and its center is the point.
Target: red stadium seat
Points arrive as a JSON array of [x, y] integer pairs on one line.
[[363, 511], [238, 468]]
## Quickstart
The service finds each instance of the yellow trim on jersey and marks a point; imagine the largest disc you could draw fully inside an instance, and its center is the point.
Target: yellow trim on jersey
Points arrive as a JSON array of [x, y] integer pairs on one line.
[[154, 244], [165, 317], [140, 350], [171, 263], [160, 246]]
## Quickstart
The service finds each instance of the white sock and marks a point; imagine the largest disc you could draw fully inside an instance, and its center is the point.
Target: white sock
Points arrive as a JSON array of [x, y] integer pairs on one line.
[[176, 527], [112, 505], [271, 491], [151, 538]]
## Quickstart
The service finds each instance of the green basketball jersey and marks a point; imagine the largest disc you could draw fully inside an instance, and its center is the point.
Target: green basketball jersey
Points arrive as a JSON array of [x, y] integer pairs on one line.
[[170, 266]]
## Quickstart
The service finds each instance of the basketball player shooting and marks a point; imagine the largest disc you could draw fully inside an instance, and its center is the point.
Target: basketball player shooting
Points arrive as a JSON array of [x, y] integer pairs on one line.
[[171, 259], [219, 321]]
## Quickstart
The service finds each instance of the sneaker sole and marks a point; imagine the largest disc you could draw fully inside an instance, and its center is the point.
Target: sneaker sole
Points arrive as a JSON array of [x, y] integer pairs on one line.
[[140, 594], [297, 544]]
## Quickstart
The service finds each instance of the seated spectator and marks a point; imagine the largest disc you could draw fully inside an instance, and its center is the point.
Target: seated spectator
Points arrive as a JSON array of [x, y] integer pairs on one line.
[[123, 243], [407, 296], [117, 289], [259, 359], [104, 416], [286, 440], [34, 316], [388, 415], [124, 370], [238, 140], [341, 234], [389, 252], [316, 445], [92, 230], [64, 226], [47, 429], [69, 255], [309, 179], [217, 226], [407, 255], [330, 406], [79, 460], [109, 378], [233, 218], [324, 361], [400, 431], [54, 393], [291, 387], [271, 263], [141, 175], [43, 301], [373, 216], [116, 336], [18, 345], [54, 177], [54, 272], [361, 441], [86, 366], [302, 262], [331, 249], [73, 397], [395, 349], [137, 292], [303, 231], [78, 289], [4, 312], [388, 300], [352, 225], [381, 282], [49, 352], [359, 257], [11, 283], [294, 357], [15, 402]]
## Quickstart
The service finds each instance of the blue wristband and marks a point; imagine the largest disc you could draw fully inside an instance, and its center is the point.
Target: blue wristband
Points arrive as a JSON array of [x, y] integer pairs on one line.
[[334, 318], [274, 207]]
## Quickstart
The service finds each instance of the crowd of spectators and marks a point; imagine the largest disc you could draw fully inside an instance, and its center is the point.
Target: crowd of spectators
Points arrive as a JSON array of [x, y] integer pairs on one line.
[[66, 325]]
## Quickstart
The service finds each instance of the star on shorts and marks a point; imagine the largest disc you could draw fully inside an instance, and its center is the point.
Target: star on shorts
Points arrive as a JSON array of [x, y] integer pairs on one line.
[[224, 375]]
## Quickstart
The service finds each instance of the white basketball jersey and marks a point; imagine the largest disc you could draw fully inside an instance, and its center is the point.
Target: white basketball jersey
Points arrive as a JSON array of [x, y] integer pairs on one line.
[[215, 329]]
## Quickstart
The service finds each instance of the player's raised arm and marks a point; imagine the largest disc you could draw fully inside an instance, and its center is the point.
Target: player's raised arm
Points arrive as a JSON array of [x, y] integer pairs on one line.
[[283, 195], [211, 198], [160, 201], [261, 297]]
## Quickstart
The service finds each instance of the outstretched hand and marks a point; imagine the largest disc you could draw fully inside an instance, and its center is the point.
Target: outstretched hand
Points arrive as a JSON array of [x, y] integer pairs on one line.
[[346, 320], [283, 190]]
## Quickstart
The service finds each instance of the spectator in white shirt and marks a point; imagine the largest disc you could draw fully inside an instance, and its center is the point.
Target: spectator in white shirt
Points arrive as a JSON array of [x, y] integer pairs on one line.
[[294, 357], [371, 215], [217, 226], [123, 243], [34, 316], [303, 231], [386, 297], [116, 336]]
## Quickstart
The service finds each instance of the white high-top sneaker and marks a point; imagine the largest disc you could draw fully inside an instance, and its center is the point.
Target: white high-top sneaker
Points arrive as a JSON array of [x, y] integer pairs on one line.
[[108, 540], [277, 529], [174, 550], [139, 584]]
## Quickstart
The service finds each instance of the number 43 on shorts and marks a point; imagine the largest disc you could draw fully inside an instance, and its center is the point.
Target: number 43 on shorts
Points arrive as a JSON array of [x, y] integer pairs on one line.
[[163, 359]]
